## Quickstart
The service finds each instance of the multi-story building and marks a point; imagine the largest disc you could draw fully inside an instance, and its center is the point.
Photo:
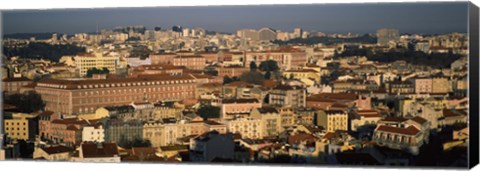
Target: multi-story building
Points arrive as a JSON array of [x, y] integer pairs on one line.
[[120, 132], [212, 145], [232, 71], [163, 58], [288, 96], [271, 119], [286, 58], [234, 108], [423, 85], [93, 133], [194, 62], [434, 84], [158, 69], [305, 75], [267, 34], [361, 118], [21, 126], [333, 120], [440, 84], [13, 85], [247, 127], [402, 87], [408, 135], [73, 97], [98, 60], [305, 116], [66, 131], [385, 36]]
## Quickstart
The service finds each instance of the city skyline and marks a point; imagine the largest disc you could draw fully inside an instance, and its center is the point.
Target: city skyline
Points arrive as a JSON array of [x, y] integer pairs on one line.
[[421, 18]]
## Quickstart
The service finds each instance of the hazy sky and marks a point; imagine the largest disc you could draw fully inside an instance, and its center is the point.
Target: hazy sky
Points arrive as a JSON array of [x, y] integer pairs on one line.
[[330, 18]]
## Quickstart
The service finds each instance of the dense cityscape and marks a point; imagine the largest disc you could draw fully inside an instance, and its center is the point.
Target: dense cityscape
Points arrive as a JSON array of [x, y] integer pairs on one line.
[[256, 96]]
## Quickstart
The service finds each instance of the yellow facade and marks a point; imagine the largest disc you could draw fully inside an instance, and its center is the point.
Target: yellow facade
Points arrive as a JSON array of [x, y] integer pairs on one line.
[[18, 126], [99, 114], [97, 60]]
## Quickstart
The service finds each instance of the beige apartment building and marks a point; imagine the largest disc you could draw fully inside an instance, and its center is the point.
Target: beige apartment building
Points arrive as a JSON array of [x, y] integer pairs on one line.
[[333, 120], [72, 97], [20, 126], [247, 127], [84, 62]]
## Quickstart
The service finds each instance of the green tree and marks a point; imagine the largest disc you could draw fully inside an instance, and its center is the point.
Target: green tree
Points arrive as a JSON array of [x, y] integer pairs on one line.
[[269, 65], [227, 79], [252, 77], [267, 75], [208, 111], [253, 66], [27, 102], [92, 71]]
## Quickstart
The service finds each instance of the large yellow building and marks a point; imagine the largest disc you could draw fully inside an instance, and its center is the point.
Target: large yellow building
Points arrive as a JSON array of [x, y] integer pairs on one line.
[[84, 62], [333, 120], [308, 76], [20, 126]]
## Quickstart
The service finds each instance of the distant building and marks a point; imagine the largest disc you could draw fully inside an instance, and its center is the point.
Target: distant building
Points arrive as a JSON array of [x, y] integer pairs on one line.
[[98, 60], [267, 34], [194, 62], [385, 36]]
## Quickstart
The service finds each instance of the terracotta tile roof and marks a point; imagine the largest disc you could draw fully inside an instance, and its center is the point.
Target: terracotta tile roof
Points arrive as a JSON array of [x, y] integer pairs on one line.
[[411, 130], [73, 84], [264, 110], [15, 79], [91, 150], [232, 101], [419, 120], [393, 119], [57, 149]]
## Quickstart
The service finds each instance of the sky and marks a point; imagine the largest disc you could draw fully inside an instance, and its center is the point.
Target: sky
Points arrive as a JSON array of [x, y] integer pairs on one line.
[[424, 18]]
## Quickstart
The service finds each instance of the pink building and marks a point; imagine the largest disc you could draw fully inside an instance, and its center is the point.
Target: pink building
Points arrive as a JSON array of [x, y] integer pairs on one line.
[[194, 62], [232, 108], [423, 85], [63, 130]]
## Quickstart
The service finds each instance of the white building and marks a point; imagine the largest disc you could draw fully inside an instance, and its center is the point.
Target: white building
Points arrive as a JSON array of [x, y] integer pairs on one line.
[[93, 134], [137, 61]]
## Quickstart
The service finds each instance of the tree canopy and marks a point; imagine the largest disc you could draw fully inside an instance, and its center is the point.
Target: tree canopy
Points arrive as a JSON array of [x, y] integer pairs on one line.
[[38, 50], [227, 79], [92, 71], [253, 66], [25, 102], [253, 77], [269, 65], [208, 111]]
